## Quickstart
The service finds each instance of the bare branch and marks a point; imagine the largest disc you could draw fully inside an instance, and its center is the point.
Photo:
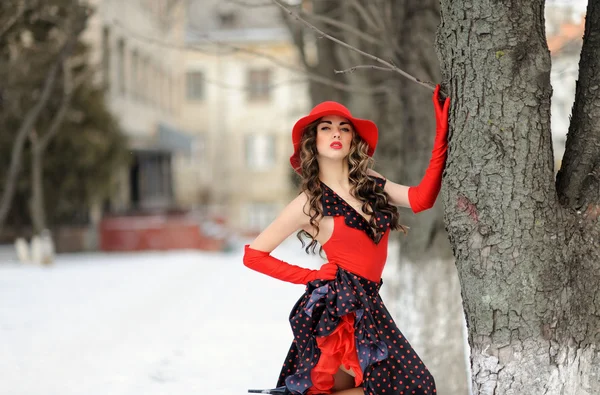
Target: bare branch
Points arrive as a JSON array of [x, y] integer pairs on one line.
[[25, 128], [11, 22], [365, 15], [342, 43], [311, 76], [70, 86], [171, 45], [250, 4], [343, 26], [578, 184], [234, 48], [365, 66]]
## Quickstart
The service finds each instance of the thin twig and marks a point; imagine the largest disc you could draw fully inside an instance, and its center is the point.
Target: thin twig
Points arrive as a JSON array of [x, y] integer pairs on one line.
[[234, 48], [165, 44], [250, 4], [362, 66], [70, 85], [11, 22], [346, 45], [344, 26], [365, 15]]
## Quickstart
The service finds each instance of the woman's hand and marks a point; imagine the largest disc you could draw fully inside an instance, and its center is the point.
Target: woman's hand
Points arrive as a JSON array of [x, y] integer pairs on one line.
[[328, 271], [441, 116]]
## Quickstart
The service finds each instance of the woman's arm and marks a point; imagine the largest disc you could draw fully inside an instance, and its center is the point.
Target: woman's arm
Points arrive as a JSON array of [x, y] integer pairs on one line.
[[398, 194], [422, 197], [257, 256], [291, 219]]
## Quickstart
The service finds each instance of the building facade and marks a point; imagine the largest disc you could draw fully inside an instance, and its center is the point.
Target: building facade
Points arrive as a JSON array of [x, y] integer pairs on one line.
[[242, 99], [137, 45]]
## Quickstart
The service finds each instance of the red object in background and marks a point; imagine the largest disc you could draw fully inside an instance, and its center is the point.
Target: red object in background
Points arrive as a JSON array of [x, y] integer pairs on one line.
[[155, 232]]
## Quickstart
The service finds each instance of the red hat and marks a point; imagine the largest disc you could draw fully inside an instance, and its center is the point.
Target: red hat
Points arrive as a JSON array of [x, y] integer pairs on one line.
[[366, 129]]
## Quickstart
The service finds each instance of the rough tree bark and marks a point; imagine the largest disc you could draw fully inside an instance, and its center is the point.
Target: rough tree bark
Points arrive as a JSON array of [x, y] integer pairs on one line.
[[424, 291], [528, 262]]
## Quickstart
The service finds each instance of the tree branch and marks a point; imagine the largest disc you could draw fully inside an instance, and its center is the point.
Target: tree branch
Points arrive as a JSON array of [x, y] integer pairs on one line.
[[234, 48], [365, 66], [70, 86], [11, 21], [365, 15], [343, 26], [342, 43], [577, 182], [31, 118]]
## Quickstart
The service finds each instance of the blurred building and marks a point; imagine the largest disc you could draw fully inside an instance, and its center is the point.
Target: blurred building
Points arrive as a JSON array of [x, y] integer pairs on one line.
[[243, 105], [144, 77]]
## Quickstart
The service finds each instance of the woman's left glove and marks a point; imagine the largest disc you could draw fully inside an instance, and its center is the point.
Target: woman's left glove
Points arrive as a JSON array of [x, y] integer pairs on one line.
[[422, 196], [263, 262], [328, 271]]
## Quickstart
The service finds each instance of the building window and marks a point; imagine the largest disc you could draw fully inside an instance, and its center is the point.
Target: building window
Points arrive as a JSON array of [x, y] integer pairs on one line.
[[163, 91], [227, 19], [260, 151], [151, 183], [260, 215], [195, 85], [135, 74], [170, 94], [106, 56], [121, 66], [143, 87], [259, 84]]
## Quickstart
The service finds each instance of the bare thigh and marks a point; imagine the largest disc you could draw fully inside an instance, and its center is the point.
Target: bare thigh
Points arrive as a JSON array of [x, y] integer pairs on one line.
[[342, 381]]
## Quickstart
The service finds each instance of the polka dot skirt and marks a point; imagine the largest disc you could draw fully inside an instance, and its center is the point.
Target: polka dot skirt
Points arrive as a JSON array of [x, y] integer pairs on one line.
[[388, 362]]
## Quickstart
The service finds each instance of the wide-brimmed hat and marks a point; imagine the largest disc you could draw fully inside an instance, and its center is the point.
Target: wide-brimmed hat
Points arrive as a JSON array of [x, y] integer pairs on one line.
[[366, 129]]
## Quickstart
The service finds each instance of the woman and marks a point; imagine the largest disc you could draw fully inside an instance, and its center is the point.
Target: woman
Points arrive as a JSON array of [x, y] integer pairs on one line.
[[345, 341]]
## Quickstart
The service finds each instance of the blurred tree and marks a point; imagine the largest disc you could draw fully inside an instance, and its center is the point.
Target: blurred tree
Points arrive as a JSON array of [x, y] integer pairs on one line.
[[527, 245], [49, 100], [426, 291]]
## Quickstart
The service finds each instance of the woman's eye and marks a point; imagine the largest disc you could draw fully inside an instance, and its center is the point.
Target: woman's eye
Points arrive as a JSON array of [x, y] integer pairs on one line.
[[346, 129]]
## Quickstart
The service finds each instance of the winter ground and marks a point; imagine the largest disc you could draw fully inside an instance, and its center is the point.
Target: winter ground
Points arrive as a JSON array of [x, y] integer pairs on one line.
[[144, 323]]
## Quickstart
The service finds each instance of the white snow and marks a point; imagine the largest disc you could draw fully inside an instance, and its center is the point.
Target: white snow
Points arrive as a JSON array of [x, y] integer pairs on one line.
[[144, 323]]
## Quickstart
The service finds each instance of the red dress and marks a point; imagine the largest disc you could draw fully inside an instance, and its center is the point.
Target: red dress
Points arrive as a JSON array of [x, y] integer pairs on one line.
[[344, 321]]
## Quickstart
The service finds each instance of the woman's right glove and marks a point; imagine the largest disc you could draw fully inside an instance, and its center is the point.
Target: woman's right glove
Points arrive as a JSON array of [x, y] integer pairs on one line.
[[422, 197], [263, 262]]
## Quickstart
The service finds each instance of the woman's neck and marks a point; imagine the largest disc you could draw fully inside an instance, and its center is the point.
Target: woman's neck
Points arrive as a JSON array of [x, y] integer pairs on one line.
[[335, 175]]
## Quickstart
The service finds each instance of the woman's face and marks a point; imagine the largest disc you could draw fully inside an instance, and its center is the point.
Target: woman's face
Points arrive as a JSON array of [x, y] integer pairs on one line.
[[334, 137]]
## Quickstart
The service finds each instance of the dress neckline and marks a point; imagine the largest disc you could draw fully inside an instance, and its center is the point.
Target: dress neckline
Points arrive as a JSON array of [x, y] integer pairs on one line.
[[348, 204], [377, 234], [335, 205]]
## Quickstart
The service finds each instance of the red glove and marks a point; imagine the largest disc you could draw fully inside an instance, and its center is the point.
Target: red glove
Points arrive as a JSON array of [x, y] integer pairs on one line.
[[422, 196], [263, 262]]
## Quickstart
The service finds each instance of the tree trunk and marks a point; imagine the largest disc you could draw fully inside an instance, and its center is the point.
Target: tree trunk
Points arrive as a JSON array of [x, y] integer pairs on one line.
[[33, 114], [530, 309], [38, 211], [26, 127]]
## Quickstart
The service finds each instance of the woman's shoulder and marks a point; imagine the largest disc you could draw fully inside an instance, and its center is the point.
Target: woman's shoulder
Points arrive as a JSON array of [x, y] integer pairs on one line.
[[301, 206], [379, 179]]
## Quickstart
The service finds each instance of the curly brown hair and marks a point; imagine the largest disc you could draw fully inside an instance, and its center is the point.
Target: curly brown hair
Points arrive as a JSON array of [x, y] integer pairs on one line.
[[363, 187]]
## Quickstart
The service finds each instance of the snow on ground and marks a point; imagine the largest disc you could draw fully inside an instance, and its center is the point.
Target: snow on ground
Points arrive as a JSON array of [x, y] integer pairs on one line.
[[182, 322]]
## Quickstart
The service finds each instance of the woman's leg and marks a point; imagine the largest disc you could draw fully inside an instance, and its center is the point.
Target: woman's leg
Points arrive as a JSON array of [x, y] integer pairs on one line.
[[342, 381], [353, 391]]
